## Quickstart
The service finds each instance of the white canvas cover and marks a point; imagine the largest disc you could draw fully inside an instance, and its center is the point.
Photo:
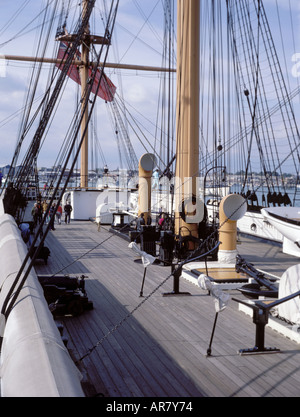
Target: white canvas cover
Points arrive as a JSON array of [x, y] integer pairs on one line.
[[289, 284], [147, 259], [220, 297]]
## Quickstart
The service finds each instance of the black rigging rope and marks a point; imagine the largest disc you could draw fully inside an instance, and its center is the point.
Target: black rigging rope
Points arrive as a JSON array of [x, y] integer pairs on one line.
[[21, 277], [251, 33]]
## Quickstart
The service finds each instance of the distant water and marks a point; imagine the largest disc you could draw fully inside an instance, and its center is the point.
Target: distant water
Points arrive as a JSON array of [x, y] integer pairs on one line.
[[263, 191]]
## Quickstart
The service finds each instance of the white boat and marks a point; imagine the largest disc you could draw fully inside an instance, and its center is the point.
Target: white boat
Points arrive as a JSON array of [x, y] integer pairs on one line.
[[287, 221]]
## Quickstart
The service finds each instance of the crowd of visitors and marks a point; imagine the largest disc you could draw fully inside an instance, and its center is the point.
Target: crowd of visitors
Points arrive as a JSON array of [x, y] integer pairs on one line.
[[52, 213]]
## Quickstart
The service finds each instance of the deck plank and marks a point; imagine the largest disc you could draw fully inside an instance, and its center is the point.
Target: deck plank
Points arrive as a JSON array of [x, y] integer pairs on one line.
[[160, 349]]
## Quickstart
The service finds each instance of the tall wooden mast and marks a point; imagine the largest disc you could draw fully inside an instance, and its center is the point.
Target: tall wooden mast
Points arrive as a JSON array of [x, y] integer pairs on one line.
[[84, 63], [84, 66], [84, 74], [88, 39], [187, 165]]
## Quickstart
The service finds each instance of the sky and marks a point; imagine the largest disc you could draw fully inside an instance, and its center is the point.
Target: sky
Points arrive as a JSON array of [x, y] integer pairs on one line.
[[139, 89], [134, 42]]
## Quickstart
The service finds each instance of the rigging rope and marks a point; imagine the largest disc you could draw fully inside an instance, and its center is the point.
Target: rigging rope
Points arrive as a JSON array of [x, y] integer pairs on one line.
[[23, 31], [21, 277], [250, 37]]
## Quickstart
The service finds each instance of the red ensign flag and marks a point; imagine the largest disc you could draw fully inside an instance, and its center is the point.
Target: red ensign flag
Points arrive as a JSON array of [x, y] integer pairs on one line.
[[106, 89]]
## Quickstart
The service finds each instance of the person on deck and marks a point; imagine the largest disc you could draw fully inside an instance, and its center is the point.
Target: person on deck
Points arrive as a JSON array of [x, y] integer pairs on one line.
[[45, 206], [39, 211], [140, 222], [52, 216], [35, 214], [58, 214], [68, 209], [26, 233], [161, 222]]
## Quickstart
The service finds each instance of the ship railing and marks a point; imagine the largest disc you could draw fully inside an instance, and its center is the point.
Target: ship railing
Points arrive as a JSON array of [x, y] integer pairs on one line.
[[34, 361]]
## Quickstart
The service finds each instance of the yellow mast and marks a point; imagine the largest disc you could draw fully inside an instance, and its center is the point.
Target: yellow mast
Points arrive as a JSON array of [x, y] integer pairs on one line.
[[187, 163], [84, 75]]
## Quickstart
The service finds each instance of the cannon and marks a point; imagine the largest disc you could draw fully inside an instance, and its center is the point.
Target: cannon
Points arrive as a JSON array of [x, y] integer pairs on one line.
[[65, 295], [43, 253]]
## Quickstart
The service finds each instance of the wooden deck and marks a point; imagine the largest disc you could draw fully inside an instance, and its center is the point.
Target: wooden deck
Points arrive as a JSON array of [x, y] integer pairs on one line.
[[160, 349]]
